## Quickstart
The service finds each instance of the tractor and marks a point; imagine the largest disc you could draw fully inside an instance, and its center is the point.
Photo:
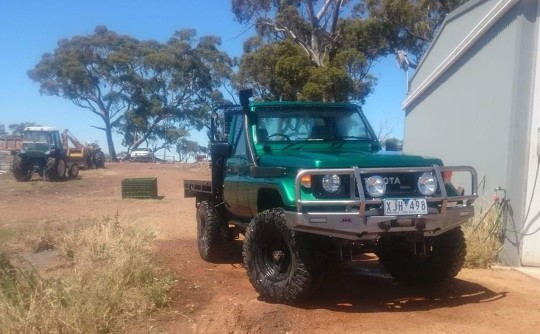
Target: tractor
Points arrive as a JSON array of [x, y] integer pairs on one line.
[[42, 152]]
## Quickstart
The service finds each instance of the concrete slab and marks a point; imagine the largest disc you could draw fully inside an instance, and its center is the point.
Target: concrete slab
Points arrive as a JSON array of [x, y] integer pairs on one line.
[[533, 272]]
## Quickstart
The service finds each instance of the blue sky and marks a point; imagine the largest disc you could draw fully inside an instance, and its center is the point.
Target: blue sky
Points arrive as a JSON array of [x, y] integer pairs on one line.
[[32, 28]]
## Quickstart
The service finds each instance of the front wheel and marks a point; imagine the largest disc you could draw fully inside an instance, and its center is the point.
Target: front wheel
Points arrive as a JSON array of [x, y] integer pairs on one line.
[[281, 264], [439, 259], [20, 169]]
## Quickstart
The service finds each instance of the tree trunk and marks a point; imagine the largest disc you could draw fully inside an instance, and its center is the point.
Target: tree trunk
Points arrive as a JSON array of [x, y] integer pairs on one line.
[[110, 143]]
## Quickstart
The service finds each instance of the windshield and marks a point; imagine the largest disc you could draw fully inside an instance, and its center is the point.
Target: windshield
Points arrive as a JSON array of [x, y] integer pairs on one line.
[[310, 124], [35, 137], [36, 141]]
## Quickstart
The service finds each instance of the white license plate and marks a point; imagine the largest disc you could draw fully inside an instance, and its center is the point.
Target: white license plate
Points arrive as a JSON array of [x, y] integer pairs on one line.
[[406, 206]]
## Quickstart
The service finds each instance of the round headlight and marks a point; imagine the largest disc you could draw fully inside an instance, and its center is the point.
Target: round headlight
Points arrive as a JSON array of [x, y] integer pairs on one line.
[[375, 186], [427, 184], [331, 183]]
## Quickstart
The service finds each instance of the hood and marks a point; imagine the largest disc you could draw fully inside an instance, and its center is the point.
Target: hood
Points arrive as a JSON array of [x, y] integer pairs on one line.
[[343, 159]]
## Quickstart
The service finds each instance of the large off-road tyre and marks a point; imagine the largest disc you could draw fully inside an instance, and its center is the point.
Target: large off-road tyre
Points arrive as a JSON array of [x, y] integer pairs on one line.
[[444, 256], [212, 234], [73, 171], [55, 169], [20, 169], [282, 265], [99, 160]]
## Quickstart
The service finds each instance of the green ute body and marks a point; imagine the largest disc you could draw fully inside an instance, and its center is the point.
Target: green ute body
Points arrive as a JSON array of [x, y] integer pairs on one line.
[[293, 156]]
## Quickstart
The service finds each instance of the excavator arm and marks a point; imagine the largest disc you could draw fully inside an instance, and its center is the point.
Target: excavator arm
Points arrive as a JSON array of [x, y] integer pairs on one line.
[[68, 136]]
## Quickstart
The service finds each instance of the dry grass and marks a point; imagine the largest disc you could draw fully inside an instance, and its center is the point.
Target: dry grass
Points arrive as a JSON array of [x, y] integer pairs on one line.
[[483, 236], [108, 277]]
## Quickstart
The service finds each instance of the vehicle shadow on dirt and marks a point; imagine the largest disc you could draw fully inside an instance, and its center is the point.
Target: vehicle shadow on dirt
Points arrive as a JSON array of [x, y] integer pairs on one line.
[[366, 287]]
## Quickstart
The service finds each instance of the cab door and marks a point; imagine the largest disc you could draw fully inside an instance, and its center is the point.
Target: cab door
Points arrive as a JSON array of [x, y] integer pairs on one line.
[[236, 185]]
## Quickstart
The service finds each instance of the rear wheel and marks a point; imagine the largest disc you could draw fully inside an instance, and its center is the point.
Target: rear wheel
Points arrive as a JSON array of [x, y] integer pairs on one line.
[[439, 259], [55, 169], [212, 234], [20, 169], [73, 171], [100, 160], [282, 265]]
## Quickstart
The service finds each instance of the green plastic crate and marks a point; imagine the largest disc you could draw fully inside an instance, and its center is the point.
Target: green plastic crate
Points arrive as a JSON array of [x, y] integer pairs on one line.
[[142, 187]]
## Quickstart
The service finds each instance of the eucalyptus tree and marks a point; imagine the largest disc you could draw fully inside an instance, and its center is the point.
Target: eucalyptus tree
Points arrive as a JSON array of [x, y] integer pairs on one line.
[[340, 40], [327, 64], [145, 90], [179, 87], [187, 149], [412, 24], [94, 72], [314, 29]]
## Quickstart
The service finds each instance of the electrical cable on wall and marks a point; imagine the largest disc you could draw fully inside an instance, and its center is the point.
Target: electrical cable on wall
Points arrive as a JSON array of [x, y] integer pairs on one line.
[[518, 231]]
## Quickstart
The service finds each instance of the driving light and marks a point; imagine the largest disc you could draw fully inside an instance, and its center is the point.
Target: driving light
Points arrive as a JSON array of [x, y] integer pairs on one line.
[[375, 186], [427, 184], [331, 183]]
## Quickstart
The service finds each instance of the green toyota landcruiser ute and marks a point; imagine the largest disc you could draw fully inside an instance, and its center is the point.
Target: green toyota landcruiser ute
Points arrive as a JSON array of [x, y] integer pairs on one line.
[[307, 185]]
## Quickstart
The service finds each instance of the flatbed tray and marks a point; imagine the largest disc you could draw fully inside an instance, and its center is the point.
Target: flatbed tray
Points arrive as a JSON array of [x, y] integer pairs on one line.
[[192, 187]]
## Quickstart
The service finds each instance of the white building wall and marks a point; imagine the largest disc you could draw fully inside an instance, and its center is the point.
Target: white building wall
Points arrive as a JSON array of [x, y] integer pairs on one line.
[[530, 254], [450, 36], [482, 110], [531, 229], [465, 115]]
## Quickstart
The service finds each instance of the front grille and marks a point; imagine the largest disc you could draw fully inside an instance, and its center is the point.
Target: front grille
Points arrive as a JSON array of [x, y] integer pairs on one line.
[[397, 184]]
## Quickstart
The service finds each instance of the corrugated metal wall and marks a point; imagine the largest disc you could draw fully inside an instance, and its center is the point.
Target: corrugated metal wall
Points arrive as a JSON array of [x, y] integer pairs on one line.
[[478, 112]]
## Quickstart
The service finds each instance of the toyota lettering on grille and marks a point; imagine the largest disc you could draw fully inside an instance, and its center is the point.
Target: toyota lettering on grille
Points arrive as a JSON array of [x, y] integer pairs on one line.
[[391, 180]]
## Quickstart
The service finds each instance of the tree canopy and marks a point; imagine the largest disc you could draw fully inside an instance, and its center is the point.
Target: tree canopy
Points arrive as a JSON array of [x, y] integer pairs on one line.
[[145, 90], [93, 72], [17, 128], [187, 149], [304, 52], [177, 87], [412, 23], [324, 50]]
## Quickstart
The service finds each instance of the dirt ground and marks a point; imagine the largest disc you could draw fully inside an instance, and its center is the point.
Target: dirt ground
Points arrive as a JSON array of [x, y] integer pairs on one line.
[[218, 298]]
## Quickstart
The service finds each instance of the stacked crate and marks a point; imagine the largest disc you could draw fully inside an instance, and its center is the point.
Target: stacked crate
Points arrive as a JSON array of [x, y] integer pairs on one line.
[[145, 187]]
